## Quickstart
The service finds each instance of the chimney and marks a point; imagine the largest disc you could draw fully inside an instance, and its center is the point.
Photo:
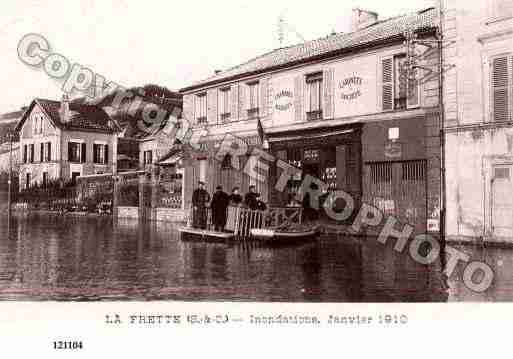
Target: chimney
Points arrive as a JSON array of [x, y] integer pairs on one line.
[[362, 18], [64, 110]]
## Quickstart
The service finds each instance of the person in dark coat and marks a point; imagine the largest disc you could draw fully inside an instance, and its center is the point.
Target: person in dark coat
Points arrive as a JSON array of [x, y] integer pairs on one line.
[[200, 200], [220, 201], [251, 198], [235, 197]]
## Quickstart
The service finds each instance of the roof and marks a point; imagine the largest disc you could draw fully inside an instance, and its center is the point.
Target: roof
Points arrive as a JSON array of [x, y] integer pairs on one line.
[[83, 117], [379, 32]]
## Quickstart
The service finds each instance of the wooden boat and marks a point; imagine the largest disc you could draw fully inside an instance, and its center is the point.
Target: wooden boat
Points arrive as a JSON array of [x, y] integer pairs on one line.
[[204, 234], [283, 237]]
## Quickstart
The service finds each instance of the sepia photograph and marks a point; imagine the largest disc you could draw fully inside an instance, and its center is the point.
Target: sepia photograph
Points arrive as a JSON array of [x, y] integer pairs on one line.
[[256, 152]]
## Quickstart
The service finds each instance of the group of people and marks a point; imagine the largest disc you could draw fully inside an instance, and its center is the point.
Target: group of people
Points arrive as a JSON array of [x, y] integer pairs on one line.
[[219, 204]]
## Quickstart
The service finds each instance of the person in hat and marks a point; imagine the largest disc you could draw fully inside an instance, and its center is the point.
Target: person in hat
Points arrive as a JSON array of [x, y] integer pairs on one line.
[[200, 200], [251, 198], [220, 201], [235, 197]]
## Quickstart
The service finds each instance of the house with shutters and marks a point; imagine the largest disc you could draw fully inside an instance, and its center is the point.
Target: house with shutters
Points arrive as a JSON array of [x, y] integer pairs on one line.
[[65, 140], [346, 109], [478, 103]]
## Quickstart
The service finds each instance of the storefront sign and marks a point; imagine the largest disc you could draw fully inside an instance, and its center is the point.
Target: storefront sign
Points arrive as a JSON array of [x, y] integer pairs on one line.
[[283, 100], [350, 88]]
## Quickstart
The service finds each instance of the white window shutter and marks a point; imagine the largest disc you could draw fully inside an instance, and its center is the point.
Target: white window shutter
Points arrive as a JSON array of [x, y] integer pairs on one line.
[[299, 83], [329, 90], [499, 82], [234, 101], [387, 84], [263, 97], [212, 106]]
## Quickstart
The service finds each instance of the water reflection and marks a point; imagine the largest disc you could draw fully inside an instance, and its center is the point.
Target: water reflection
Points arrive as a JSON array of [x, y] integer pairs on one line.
[[58, 258]]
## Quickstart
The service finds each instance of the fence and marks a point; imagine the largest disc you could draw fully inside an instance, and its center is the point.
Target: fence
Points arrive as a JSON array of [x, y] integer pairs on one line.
[[240, 220]]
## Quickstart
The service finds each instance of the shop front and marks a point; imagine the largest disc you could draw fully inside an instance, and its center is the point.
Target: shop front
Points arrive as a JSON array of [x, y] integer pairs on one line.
[[331, 155]]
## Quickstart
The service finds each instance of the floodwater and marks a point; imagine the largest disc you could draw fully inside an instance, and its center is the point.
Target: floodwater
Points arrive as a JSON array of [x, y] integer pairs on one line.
[[79, 258]]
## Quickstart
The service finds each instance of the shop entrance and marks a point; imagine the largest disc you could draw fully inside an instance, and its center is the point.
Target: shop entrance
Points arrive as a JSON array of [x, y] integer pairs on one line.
[[398, 189]]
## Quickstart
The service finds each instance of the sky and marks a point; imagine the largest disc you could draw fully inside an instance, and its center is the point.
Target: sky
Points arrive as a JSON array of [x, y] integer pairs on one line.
[[168, 43]]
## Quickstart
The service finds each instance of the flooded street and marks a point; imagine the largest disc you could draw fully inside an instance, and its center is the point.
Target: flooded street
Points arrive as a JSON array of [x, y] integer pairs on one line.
[[73, 258]]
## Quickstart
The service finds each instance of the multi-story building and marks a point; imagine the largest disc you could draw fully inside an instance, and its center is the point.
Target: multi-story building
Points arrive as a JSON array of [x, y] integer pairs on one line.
[[345, 109], [478, 102], [65, 140]]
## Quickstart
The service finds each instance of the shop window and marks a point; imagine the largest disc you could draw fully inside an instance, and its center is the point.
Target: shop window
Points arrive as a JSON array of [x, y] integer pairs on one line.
[[314, 93], [201, 108]]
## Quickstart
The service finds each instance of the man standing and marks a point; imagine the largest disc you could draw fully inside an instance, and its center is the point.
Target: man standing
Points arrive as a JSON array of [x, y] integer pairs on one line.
[[200, 199], [220, 202], [251, 198]]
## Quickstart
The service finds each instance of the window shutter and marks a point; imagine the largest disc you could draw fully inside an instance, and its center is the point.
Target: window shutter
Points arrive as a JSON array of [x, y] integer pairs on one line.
[[83, 153], [263, 97], [242, 101], [329, 90], [500, 100], [299, 83], [270, 98], [387, 84], [106, 158], [41, 152], [212, 106], [49, 149], [234, 102]]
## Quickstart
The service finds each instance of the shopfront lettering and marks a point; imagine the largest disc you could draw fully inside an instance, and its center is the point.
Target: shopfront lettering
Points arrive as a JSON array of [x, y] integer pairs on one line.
[[350, 88], [283, 100]]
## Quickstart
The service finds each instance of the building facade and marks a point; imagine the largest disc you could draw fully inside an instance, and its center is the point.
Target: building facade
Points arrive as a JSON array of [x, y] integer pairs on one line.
[[342, 109], [64, 140], [478, 100]]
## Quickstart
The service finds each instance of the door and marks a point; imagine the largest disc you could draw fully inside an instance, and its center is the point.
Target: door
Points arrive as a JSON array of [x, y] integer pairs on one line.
[[502, 202], [398, 189]]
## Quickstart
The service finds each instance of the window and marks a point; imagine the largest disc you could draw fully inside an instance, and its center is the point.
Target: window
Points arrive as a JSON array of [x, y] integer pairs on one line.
[[37, 124], [314, 93], [31, 153], [253, 99], [100, 153], [381, 172], [400, 87], [201, 108], [41, 152], [414, 171], [224, 104], [77, 152], [27, 181], [148, 157], [48, 152], [502, 88], [25, 154], [74, 176], [501, 173]]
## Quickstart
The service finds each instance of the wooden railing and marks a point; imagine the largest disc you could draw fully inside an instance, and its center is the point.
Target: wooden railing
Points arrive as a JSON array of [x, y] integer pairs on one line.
[[240, 220]]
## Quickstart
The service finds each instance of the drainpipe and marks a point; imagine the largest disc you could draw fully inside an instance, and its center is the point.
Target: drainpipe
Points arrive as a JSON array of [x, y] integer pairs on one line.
[[442, 125]]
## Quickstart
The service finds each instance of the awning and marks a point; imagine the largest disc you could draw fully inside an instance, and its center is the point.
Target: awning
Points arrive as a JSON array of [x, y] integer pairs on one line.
[[309, 136]]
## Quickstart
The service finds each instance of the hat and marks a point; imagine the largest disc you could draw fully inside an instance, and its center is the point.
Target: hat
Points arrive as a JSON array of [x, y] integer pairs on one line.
[[201, 182], [219, 187]]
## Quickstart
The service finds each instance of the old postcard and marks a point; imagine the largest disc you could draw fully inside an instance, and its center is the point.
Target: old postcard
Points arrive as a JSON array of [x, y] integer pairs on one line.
[[249, 172]]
